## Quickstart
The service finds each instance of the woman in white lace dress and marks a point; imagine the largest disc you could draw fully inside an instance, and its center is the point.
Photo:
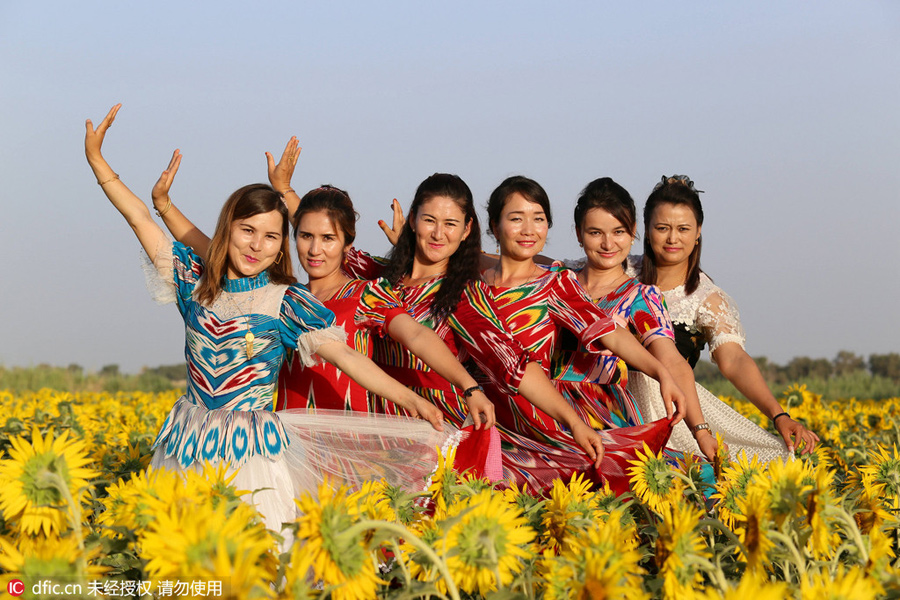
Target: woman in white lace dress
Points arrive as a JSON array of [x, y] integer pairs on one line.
[[702, 314]]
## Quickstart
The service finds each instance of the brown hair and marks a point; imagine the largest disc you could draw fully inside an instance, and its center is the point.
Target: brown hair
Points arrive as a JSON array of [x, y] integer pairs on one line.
[[244, 203], [335, 203]]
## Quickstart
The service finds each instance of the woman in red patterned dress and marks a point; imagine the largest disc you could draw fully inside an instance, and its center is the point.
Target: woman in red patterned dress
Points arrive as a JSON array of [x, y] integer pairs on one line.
[[433, 270], [538, 304]]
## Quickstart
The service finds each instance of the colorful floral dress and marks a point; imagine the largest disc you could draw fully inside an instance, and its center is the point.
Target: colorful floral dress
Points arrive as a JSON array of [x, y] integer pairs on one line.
[[226, 414], [482, 340]]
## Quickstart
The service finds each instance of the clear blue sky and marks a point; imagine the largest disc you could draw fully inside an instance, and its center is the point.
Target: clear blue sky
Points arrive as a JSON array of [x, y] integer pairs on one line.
[[786, 114]]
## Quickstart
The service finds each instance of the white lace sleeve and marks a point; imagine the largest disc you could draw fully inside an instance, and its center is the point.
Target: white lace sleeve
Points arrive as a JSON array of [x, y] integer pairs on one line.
[[159, 274], [719, 320], [309, 342]]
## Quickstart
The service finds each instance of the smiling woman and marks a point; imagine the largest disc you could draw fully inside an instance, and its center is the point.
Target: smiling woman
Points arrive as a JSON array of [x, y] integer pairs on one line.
[[242, 312]]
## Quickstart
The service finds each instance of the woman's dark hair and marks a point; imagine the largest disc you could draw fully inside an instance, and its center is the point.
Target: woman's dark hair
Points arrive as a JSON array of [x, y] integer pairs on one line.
[[246, 202], [333, 202], [530, 189], [679, 191], [463, 265], [606, 194]]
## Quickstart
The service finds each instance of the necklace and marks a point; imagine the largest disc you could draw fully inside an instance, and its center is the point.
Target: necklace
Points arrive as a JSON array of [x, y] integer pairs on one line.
[[248, 337]]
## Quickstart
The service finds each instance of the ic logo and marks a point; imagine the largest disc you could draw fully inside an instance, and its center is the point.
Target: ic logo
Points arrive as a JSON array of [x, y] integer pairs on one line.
[[15, 587]]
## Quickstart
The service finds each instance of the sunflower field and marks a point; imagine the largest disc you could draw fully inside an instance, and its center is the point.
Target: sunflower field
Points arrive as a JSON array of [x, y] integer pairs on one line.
[[82, 517]]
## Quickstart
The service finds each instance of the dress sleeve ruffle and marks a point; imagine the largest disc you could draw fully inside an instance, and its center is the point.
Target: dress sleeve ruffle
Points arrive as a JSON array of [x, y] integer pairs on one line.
[[362, 265], [306, 324], [719, 320], [378, 305], [172, 273], [647, 315], [571, 308]]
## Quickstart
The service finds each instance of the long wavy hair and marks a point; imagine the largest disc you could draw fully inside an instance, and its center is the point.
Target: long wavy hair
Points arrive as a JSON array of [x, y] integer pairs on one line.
[[335, 203], [246, 202], [679, 192], [463, 265], [606, 194]]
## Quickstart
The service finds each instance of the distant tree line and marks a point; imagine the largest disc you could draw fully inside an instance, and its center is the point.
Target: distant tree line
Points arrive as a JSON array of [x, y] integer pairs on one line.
[[848, 375], [74, 378]]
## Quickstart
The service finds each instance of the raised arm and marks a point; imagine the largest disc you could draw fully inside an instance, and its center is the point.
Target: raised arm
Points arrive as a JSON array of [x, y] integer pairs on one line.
[[136, 213], [181, 228], [280, 174], [427, 345]]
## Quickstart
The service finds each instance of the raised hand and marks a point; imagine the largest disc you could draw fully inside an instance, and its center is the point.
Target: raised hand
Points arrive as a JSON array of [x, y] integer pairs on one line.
[[93, 138], [393, 232], [160, 193], [280, 174], [590, 442]]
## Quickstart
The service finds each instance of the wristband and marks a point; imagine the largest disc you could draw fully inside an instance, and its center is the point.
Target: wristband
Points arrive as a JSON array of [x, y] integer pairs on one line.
[[105, 181], [469, 391], [781, 414], [700, 427], [287, 191], [161, 212]]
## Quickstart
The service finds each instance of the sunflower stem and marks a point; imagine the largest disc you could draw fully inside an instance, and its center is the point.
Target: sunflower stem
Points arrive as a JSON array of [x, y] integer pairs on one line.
[[717, 524], [789, 543], [843, 515], [413, 540]]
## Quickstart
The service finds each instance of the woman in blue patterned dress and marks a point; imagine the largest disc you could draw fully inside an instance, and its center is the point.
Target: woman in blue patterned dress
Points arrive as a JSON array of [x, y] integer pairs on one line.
[[242, 311]]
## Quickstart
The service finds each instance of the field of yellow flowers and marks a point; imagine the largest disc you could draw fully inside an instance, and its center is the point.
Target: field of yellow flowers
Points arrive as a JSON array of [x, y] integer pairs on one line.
[[83, 517]]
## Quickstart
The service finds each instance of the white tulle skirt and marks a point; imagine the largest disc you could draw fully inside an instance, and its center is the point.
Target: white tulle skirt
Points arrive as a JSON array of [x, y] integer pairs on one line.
[[348, 448], [738, 432]]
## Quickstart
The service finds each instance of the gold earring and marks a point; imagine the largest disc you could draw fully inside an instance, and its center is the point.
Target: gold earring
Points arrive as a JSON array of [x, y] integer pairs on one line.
[[278, 260]]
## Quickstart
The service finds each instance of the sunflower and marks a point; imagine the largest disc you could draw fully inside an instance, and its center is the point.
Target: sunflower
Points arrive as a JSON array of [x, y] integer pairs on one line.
[[50, 557], [40, 478], [678, 546], [733, 485], [442, 482], [651, 478], [883, 471], [852, 584], [565, 511], [787, 485], [752, 528], [488, 540], [341, 560], [238, 550]]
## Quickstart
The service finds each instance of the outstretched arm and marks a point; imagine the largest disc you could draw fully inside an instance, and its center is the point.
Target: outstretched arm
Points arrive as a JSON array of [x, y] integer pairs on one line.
[[739, 368], [427, 345], [366, 373], [538, 390], [136, 213]]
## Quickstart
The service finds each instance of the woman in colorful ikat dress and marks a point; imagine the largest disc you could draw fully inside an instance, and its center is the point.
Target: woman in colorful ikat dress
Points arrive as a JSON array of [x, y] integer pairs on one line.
[[702, 315], [324, 222], [605, 225], [433, 270], [538, 304], [242, 311]]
